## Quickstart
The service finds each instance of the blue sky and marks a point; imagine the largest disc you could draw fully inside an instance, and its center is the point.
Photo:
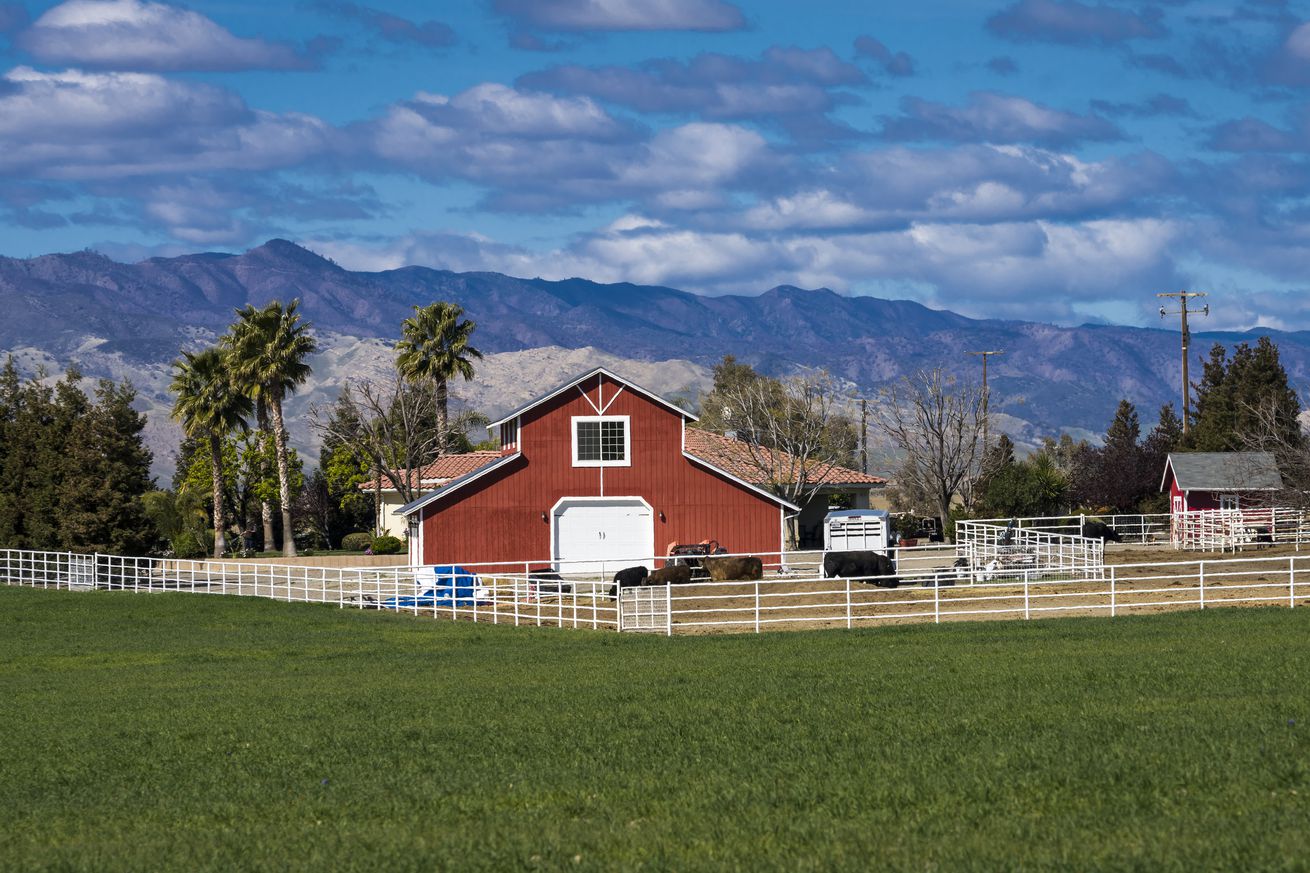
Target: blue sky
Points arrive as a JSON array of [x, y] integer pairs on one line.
[[1045, 159]]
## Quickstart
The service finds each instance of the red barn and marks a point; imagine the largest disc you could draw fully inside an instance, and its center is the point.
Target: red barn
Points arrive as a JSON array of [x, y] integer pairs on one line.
[[600, 472], [1220, 480]]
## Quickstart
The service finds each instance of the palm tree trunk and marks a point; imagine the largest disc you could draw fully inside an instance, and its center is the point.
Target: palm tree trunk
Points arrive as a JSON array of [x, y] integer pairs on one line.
[[443, 417], [283, 476], [216, 470], [266, 515], [265, 505]]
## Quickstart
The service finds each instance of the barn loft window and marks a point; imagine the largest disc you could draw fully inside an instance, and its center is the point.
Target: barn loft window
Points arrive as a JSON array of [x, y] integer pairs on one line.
[[601, 441]]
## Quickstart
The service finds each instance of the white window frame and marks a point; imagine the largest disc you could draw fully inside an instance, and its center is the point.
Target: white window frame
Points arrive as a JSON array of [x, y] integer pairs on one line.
[[1229, 502], [627, 440]]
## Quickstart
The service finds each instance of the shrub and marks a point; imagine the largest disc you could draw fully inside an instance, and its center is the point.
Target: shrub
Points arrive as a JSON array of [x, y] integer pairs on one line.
[[185, 545], [387, 545], [356, 542]]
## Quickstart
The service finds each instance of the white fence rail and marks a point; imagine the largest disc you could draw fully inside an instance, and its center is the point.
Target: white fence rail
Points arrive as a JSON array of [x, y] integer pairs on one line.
[[994, 551], [800, 601], [1224, 530], [1143, 529], [1196, 530]]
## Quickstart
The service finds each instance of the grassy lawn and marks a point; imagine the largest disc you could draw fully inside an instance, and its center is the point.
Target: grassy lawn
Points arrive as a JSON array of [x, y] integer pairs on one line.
[[183, 732]]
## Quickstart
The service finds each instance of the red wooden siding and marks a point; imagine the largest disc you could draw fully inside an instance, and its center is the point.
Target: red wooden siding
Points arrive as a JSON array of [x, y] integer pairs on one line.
[[499, 518]]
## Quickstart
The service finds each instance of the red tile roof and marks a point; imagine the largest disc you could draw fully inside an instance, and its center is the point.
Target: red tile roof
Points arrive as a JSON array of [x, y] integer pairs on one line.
[[735, 456], [443, 470]]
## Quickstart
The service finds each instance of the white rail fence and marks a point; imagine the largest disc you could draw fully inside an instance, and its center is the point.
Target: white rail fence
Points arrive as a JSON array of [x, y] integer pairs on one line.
[[1008, 551], [780, 602], [1143, 529], [1223, 530], [1196, 530]]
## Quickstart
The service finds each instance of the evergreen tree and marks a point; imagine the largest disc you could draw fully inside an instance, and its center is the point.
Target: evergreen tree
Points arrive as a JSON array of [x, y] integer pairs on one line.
[[1124, 431], [72, 472], [1116, 478], [107, 470], [14, 450], [1243, 401]]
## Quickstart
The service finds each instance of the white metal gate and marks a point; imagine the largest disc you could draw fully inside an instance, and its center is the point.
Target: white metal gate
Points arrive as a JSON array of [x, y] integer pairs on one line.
[[645, 609]]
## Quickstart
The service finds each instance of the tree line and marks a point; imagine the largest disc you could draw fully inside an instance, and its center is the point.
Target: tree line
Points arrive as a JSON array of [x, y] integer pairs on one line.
[[370, 431], [1245, 402], [75, 472]]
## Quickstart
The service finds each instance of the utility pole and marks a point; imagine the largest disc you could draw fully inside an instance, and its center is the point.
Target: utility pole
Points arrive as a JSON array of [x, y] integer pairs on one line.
[[985, 356], [864, 435], [1183, 297]]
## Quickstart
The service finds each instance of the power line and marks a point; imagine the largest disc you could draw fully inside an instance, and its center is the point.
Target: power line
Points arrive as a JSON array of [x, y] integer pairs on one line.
[[1183, 297]]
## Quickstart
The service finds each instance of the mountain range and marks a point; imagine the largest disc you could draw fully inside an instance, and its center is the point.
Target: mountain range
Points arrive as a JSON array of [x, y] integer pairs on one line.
[[130, 321]]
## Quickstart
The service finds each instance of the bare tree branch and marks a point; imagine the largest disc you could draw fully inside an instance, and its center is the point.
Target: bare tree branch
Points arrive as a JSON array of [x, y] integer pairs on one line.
[[790, 430], [938, 425], [391, 423]]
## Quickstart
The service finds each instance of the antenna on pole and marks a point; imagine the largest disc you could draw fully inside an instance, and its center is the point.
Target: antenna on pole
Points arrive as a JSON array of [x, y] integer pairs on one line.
[[985, 394], [1183, 311]]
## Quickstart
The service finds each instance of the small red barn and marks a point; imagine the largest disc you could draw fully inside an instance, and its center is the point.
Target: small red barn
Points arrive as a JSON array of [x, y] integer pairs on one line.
[[596, 472], [1220, 480]]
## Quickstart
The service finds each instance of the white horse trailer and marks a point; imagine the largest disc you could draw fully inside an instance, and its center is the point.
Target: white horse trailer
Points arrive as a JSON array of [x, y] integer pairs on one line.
[[856, 530]]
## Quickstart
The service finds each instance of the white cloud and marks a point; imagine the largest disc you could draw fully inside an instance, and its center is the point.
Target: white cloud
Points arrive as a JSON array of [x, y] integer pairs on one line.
[[136, 35], [696, 154], [576, 15], [79, 125], [1028, 270], [811, 210]]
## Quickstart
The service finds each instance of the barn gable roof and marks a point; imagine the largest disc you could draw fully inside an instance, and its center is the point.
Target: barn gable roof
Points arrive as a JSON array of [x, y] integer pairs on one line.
[[577, 380], [1222, 471]]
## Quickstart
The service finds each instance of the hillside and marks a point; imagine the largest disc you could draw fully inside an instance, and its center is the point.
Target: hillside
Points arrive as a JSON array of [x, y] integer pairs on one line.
[[130, 320]]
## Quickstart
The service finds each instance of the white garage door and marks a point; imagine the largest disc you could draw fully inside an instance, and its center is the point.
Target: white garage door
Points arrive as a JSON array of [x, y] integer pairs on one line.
[[603, 536]]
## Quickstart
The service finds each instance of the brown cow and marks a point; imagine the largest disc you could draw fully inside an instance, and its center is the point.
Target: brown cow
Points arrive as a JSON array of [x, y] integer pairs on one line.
[[674, 574], [745, 569]]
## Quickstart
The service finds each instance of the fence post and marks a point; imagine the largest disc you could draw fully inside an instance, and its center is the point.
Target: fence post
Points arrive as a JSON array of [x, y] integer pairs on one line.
[[937, 601], [668, 610], [848, 604], [1112, 592], [618, 610], [1202, 578], [757, 606], [1026, 613], [1291, 583]]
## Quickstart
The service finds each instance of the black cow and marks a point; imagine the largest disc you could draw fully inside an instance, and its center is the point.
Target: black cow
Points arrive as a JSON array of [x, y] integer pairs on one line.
[[1258, 534], [549, 582], [669, 574], [630, 577], [1099, 530], [852, 565]]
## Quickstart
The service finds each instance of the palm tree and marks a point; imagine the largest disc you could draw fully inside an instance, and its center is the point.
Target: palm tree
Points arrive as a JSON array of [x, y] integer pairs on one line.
[[436, 349], [266, 351], [209, 406]]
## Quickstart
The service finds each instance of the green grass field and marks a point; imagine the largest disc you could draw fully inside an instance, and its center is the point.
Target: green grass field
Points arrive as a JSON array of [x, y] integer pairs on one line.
[[183, 732]]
